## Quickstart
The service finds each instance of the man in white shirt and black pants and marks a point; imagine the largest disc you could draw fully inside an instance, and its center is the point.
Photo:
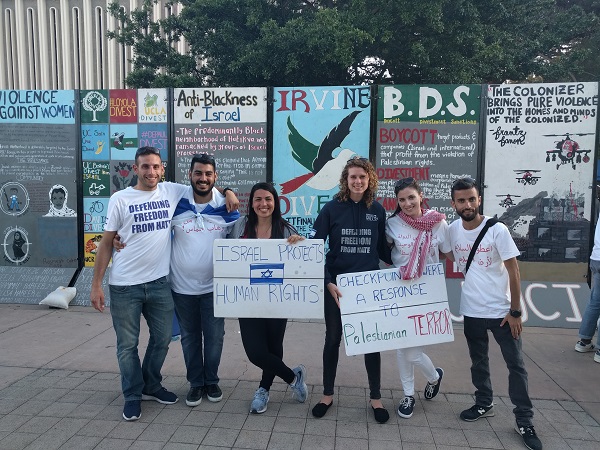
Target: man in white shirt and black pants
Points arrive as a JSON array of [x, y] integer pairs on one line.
[[490, 300]]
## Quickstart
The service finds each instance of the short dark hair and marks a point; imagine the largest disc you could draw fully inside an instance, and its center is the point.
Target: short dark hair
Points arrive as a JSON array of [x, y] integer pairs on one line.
[[461, 184], [203, 158], [143, 151]]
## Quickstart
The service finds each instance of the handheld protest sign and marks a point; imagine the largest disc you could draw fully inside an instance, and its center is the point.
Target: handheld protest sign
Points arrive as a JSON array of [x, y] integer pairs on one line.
[[268, 278], [380, 311]]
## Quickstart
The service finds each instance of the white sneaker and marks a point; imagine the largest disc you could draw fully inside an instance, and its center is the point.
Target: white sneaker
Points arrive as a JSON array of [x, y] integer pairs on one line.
[[581, 347]]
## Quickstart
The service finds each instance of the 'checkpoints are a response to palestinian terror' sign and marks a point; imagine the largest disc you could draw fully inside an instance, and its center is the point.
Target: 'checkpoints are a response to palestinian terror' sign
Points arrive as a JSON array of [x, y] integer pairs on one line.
[[380, 311], [268, 278]]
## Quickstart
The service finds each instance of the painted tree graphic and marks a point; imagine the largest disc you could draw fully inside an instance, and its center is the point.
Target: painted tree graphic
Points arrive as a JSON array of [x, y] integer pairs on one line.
[[94, 102]]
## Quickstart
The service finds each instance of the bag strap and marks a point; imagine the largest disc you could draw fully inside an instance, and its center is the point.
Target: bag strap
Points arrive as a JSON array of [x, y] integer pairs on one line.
[[488, 224]]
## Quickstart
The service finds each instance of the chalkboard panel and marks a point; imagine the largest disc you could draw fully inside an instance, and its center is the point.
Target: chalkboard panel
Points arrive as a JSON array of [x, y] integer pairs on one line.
[[30, 285], [229, 124], [431, 134], [38, 188], [84, 287]]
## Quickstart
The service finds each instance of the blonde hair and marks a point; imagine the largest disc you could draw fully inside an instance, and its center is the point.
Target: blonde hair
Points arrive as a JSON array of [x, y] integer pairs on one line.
[[363, 163]]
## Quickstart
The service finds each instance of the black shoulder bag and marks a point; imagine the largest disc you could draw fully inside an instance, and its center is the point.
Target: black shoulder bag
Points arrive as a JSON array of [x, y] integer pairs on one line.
[[488, 224]]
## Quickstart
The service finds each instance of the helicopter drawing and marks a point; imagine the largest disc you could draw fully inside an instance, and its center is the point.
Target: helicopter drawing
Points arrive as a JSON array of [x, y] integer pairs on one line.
[[526, 176], [507, 201], [568, 150]]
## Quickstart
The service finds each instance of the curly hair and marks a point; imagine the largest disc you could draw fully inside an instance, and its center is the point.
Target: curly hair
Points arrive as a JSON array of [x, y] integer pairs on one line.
[[363, 163]]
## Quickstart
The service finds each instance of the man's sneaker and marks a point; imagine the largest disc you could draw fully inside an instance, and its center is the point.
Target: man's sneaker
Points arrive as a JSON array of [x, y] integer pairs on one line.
[[530, 439], [405, 409], [597, 356], [299, 389], [132, 410], [161, 396], [431, 390], [582, 347], [476, 411], [213, 393], [259, 402], [194, 396]]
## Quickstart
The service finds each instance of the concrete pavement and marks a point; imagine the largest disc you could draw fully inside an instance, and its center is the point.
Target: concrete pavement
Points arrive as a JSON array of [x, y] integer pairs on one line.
[[60, 389]]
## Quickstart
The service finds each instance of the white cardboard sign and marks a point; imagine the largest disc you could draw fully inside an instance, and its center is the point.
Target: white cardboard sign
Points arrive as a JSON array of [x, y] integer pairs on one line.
[[268, 278], [380, 311]]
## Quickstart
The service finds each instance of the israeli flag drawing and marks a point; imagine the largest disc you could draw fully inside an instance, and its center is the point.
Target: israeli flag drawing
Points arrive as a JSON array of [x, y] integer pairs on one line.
[[266, 273]]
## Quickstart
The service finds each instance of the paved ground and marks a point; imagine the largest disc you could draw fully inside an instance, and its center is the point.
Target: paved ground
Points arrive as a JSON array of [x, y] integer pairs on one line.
[[59, 389]]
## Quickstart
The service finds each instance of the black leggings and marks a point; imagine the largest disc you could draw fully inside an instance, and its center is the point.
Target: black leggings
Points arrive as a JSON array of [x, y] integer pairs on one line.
[[331, 352], [263, 342]]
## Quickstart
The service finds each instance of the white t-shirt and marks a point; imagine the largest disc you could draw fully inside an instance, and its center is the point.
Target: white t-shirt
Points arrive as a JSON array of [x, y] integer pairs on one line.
[[192, 249], [143, 220], [403, 236], [485, 292]]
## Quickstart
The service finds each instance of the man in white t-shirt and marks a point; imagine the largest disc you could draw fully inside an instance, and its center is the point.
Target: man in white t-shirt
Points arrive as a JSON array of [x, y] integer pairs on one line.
[[141, 215], [490, 300], [200, 218]]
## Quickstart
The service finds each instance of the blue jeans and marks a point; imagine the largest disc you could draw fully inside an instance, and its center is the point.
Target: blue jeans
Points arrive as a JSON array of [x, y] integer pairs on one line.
[[592, 310], [197, 319], [127, 303], [476, 332]]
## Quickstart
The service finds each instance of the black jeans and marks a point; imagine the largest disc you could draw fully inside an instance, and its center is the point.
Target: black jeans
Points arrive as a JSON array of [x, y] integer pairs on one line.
[[263, 342], [331, 352], [476, 332]]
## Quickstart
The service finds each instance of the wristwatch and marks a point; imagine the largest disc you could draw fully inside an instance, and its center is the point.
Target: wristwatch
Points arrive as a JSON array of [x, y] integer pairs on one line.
[[515, 313], [227, 189]]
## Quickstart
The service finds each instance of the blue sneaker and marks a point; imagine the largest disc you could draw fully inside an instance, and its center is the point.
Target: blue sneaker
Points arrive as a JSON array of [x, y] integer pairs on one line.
[[161, 396], [299, 389], [132, 410], [259, 402]]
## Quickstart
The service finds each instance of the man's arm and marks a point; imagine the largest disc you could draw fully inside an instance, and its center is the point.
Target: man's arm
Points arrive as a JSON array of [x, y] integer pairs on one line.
[[514, 284], [231, 201], [103, 256]]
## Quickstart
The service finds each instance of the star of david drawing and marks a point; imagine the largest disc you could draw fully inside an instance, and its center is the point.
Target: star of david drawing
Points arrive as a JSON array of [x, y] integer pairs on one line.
[[267, 274]]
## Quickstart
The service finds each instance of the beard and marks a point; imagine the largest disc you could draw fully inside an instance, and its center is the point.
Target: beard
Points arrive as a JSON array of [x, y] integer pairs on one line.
[[204, 191], [467, 216]]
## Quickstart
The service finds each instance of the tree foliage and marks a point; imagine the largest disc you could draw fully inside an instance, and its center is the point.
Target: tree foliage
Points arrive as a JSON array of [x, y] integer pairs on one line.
[[326, 42]]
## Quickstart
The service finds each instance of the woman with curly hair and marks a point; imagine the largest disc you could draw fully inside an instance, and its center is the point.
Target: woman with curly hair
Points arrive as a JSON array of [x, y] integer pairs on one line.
[[355, 225]]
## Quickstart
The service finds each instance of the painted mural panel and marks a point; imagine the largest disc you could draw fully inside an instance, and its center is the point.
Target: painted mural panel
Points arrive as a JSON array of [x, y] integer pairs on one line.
[[231, 125], [315, 131], [539, 166], [38, 192], [429, 133], [114, 124]]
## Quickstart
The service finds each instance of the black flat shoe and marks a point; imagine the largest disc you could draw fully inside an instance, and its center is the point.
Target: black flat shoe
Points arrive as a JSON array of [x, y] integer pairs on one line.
[[381, 415], [320, 409]]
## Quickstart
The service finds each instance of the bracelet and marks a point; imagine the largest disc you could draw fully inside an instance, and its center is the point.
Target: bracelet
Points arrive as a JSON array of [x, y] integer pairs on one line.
[[227, 189]]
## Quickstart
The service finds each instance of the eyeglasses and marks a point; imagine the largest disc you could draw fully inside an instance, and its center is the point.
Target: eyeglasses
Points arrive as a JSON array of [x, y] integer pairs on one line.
[[402, 183], [204, 158], [464, 183]]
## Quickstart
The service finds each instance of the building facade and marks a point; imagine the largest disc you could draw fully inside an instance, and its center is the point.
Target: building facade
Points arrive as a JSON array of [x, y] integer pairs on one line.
[[62, 44]]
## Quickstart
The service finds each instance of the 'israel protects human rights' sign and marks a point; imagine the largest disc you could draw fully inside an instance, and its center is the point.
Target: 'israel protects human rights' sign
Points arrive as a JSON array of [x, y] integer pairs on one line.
[[268, 278]]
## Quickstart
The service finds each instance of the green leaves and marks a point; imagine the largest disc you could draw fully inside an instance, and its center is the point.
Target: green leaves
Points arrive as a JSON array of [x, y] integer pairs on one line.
[[329, 42]]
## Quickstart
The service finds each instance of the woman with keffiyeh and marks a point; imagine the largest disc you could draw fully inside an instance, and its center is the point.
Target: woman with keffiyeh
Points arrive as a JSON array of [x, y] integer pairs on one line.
[[417, 236]]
